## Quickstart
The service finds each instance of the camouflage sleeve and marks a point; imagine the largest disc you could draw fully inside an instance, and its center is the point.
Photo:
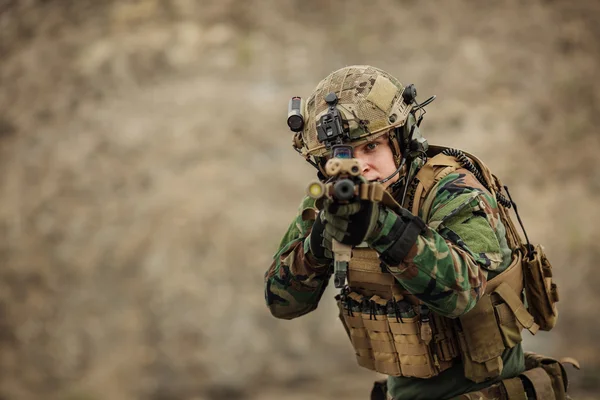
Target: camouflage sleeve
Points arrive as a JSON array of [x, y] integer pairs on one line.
[[447, 267], [295, 281]]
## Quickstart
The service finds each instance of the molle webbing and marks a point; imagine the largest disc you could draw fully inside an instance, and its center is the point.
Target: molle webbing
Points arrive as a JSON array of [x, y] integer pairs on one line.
[[411, 341], [367, 276], [537, 382], [384, 343]]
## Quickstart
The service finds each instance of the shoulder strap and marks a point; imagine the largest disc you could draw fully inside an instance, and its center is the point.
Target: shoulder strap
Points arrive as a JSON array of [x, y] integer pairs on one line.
[[434, 170], [438, 167], [495, 185]]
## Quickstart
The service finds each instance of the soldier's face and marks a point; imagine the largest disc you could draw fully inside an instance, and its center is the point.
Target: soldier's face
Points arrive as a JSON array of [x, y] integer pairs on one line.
[[377, 160]]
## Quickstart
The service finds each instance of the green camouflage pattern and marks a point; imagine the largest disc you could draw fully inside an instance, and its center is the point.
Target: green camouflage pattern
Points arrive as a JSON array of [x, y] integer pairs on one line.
[[449, 265], [295, 281], [447, 269]]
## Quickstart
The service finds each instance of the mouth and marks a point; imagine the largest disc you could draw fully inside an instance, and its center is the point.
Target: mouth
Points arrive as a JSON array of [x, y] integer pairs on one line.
[[372, 178]]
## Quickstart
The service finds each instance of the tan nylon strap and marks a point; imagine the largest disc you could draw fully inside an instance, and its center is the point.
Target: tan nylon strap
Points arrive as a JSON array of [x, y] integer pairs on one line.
[[427, 177], [388, 368], [541, 383], [382, 346], [425, 198], [417, 199], [363, 255], [364, 272], [570, 360], [427, 203], [372, 277], [354, 321], [372, 191], [513, 238], [375, 192], [417, 370], [445, 349], [362, 263], [517, 307], [365, 361], [358, 334], [384, 289], [403, 329], [364, 191], [361, 342], [494, 366], [356, 297], [412, 349], [364, 352], [513, 276], [376, 325], [514, 389], [379, 300]]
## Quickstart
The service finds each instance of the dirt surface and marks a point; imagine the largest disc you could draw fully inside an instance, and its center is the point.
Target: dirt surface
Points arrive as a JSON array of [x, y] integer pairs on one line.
[[147, 175]]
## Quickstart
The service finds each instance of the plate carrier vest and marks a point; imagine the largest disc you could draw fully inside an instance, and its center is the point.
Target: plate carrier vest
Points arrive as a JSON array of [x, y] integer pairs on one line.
[[394, 333]]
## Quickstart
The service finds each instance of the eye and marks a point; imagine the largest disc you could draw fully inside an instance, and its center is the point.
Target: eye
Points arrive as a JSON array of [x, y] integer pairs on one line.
[[371, 146]]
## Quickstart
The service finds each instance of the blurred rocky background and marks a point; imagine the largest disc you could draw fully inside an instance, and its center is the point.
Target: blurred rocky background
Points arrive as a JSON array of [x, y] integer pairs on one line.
[[147, 174]]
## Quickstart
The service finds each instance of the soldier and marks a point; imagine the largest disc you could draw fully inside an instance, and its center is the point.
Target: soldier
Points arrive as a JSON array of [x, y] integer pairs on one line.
[[432, 295]]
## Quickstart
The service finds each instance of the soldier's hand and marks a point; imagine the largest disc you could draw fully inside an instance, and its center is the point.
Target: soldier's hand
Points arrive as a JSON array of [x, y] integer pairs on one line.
[[351, 223], [390, 233], [319, 242]]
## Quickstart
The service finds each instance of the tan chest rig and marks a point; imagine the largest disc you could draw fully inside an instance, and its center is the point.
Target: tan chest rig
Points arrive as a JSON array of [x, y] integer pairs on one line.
[[393, 333]]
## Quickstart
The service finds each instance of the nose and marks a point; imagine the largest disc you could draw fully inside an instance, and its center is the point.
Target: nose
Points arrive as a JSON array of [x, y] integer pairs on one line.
[[364, 165], [365, 168]]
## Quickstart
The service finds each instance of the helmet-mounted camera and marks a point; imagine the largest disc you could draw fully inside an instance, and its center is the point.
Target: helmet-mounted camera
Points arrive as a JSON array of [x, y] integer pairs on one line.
[[295, 119]]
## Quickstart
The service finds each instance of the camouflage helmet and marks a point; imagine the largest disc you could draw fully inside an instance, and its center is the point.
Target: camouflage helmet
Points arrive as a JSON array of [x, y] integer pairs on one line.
[[370, 99]]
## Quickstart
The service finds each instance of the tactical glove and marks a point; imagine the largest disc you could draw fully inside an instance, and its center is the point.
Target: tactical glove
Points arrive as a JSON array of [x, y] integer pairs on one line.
[[397, 233], [351, 223], [320, 243], [345, 223], [391, 235]]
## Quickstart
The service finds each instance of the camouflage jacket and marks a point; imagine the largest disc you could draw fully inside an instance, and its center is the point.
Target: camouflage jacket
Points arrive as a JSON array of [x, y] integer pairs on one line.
[[447, 269]]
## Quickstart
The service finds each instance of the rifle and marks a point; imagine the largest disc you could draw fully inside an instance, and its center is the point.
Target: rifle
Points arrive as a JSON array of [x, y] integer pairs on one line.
[[345, 184]]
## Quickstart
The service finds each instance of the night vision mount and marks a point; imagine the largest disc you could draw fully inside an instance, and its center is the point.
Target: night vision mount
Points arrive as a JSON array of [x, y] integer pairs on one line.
[[332, 128]]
